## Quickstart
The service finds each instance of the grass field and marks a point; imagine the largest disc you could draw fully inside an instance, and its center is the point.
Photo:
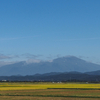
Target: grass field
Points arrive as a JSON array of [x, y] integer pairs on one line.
[[49, 91]]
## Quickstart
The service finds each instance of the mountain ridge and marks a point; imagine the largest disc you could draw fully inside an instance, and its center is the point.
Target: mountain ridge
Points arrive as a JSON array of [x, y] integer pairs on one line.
[[62, 64], [55, 77]]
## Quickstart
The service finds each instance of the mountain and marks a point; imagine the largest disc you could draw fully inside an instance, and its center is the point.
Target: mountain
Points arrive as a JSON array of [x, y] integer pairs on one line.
[[93, 72], [63, 64], [55, 77]]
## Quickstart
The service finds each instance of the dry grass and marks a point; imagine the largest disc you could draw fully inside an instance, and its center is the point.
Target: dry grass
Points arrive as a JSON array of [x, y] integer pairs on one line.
[[43, 98]]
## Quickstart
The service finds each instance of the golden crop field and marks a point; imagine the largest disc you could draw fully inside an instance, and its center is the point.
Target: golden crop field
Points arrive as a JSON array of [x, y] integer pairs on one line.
[[27, 85], [48, 91]]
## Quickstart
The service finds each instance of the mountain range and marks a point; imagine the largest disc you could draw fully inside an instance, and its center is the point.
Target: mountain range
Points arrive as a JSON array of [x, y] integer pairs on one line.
[[56, 77], [59, 65]]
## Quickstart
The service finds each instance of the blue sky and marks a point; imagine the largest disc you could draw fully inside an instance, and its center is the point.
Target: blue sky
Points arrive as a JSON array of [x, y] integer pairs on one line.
[[46, 29]]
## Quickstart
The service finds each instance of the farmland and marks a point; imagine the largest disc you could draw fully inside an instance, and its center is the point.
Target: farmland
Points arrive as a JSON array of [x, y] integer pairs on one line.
[[48, 91]]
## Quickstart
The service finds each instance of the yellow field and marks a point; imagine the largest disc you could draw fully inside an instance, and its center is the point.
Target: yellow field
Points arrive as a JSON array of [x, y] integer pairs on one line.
[[25, 86], [56, 91]]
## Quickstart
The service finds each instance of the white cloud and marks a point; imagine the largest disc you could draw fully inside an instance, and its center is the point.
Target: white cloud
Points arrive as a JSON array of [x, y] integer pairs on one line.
[[2, 56], [2, 63], [31, 56], [33, 61]]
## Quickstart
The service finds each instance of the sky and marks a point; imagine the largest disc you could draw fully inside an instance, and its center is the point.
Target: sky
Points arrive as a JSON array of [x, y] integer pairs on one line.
[[34, 30]]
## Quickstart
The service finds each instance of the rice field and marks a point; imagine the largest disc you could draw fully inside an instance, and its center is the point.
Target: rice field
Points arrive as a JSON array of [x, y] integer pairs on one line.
[[48, 91], [47, 85]]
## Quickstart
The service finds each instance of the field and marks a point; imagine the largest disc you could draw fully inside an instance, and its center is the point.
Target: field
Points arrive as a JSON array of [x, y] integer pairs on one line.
[[48, 91]]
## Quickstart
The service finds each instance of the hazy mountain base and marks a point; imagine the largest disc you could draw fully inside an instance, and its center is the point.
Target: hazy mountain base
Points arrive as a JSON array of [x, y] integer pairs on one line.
[[58, 77]]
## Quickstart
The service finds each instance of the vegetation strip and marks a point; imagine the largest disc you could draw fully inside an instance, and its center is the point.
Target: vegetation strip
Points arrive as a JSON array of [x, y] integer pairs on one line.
[[54, 96], [77, 88]]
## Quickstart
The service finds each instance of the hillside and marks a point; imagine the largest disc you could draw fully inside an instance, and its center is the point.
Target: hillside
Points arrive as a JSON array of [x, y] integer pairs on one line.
[[63, 64]]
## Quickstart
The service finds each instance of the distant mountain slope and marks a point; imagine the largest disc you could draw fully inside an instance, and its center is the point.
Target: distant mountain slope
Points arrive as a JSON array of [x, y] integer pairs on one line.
[[54, 77], [63, 64], [93, 72]]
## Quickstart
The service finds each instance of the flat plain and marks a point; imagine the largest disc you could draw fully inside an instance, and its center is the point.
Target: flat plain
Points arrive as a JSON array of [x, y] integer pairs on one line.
[[48, 91]]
